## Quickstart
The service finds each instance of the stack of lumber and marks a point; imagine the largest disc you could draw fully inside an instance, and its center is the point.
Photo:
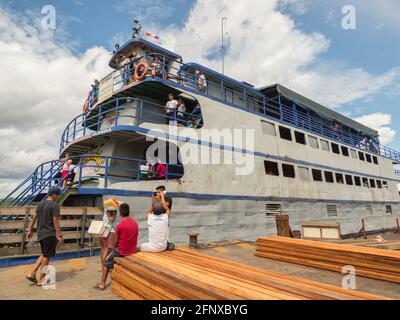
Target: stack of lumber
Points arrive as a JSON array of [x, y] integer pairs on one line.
[[186, 274], [368, 262]]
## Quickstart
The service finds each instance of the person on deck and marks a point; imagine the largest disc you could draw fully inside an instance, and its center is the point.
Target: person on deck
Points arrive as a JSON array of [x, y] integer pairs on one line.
[[201, 81], [161, 171], [181, 113], [125, 243], [156, 68], [158, 223], [49, 233], [171, 107], [65, 172]]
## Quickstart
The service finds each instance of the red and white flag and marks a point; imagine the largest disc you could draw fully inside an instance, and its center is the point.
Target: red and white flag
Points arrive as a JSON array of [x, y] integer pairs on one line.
[[150, 35]]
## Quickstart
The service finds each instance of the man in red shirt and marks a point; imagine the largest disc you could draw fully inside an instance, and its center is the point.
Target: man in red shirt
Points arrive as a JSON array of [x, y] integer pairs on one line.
[[125, 242]]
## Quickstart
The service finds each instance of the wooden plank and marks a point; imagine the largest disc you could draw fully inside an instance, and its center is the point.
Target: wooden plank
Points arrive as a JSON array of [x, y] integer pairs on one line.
[[187, 274], [10, 225], [11, 238], [369, 262], [12, 211]]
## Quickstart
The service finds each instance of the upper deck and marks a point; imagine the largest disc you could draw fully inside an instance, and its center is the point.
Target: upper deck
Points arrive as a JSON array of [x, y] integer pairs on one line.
[[274, 102]]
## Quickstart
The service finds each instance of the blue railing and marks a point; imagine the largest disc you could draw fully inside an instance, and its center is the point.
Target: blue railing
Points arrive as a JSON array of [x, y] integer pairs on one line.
[[111, 169], [232, 92], [106, 168], [124, 111]]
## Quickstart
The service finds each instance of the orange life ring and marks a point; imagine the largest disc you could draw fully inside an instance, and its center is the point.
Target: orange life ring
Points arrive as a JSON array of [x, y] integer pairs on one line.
[[141, 70]]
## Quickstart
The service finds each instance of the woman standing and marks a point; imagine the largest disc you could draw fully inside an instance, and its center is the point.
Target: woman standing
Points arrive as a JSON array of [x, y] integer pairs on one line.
[[107, 243], [65, 173]]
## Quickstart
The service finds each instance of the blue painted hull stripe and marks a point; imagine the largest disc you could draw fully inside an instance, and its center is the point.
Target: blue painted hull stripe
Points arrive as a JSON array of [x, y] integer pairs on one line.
[[132, 193], [31, 259]]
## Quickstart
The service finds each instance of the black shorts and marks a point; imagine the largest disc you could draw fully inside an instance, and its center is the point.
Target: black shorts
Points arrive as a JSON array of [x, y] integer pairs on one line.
[[110, 259], [49, 246]]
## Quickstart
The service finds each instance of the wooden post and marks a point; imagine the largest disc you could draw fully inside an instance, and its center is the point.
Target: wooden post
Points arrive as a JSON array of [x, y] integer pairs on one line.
[[282, 226], [26, 223], [398, 226], [193, 239]]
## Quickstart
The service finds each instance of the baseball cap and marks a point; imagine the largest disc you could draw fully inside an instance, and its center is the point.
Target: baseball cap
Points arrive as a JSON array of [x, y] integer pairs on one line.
[[54, 191]]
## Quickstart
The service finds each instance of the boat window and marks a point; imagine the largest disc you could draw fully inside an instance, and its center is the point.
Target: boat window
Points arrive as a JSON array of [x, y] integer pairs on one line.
[[372, 183], [313, 142], [273, 209], [325, 145], [361, 156], [317, 175], [349, 180], [339, 178], [268, 128], [375, 159], [379, 184], [300, 137], [385, 185], [331, 210], [389, 209], [369, 209], [368, 157], [271, 168], [345, 151], [365, 182], [357, 181], [304, 174], [335, 148], [288, 171], [329, 177], [353, 154], [285, 133]]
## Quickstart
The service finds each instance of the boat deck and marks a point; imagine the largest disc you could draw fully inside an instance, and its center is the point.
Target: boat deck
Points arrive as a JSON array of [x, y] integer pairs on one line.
[[76, 277]]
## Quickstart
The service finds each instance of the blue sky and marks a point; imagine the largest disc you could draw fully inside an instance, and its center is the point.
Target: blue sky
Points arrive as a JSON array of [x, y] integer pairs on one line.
[[373, 46], [298, 43]]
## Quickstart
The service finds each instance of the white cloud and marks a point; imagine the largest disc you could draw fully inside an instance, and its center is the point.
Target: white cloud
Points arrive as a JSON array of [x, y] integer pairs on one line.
[[379, 122], [43, 86], [265, 46]]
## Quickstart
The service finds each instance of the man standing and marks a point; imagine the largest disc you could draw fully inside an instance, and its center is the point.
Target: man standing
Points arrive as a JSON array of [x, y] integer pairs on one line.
[[48, 233], [170, 109], [125, 243]]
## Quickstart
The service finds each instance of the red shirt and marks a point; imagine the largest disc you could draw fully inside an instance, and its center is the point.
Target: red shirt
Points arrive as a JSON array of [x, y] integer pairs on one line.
[[128, 230]]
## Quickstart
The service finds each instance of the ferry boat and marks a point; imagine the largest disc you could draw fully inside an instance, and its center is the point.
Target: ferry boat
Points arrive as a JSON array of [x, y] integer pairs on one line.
[[310, 162]]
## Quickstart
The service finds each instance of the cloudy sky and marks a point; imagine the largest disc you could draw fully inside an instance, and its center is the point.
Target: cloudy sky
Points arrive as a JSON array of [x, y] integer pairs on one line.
[[45, 74]]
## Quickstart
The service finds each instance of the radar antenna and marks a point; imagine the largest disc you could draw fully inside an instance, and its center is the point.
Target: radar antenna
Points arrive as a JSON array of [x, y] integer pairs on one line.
[[136, 30]]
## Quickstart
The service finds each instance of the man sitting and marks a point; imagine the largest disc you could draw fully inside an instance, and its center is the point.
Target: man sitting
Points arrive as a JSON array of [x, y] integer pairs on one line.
[[125, 243], [158, 223]]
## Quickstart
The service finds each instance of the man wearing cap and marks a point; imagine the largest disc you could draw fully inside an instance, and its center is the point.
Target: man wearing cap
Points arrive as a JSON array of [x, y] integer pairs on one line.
[[48, 233]]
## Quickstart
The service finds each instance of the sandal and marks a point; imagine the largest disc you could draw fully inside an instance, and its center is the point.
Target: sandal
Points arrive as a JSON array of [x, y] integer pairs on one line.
[[97, 287], [31, 279]]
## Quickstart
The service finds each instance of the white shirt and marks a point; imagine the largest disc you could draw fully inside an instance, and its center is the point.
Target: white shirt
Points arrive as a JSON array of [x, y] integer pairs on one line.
[[202, 80], [158, 231], [172, 105]]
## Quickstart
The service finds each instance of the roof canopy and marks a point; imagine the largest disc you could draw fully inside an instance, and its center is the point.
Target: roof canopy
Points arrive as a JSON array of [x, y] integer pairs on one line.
[[130, 46], [317, 108]]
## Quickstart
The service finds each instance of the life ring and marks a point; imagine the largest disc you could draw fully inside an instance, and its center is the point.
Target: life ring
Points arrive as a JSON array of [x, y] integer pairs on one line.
[[141, 70]]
